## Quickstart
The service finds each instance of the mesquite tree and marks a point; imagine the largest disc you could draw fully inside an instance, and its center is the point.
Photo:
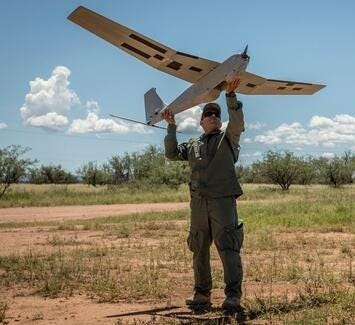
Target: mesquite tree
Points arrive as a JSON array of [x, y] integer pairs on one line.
[[282, 168], [12, 166]]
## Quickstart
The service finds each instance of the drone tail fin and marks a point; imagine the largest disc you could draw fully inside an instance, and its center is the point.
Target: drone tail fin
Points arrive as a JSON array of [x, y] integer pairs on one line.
[[153, 104]]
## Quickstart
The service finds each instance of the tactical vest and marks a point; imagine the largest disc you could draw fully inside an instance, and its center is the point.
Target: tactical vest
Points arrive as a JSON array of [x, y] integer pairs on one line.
[[212, 160]]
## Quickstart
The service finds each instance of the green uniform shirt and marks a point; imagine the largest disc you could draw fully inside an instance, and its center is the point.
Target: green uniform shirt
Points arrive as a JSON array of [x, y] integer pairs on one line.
[[211, 156]]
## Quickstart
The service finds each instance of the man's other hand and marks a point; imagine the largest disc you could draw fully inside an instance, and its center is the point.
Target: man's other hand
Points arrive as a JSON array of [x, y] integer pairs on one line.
[[168, 116]]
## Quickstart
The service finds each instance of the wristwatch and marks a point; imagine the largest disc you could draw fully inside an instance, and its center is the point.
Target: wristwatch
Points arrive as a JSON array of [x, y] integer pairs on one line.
[[232, 94]]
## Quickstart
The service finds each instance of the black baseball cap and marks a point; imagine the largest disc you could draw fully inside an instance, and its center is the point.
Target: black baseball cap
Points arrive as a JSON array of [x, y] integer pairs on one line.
[[211, 107]]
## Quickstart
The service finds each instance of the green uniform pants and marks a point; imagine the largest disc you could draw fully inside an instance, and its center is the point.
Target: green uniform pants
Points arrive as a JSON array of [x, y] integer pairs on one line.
[[217, 220]]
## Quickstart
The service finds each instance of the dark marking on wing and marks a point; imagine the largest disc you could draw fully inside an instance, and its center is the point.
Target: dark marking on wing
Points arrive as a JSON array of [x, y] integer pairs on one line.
[[195, 69], [174, 65], [145, 42], [133, 49], [288, 83], [250, 85], [188, 55], [159, 57]]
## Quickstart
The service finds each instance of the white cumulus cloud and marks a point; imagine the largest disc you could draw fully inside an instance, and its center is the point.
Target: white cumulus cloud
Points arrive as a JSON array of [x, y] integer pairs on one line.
[[321, 131], [251, 155], [94, 124], [3, 125], [189, 120], [283, 133], [49, 101], [92, 106], [52, 121], [342, 123], [255, 126], [345, 119]]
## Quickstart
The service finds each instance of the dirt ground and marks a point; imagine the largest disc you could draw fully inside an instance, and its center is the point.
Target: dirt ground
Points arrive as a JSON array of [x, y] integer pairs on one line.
[[25, 306], [62, 213]]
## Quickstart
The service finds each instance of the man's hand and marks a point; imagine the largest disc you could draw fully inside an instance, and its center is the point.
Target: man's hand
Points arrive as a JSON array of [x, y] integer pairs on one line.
[[168, 117], [232, 85]]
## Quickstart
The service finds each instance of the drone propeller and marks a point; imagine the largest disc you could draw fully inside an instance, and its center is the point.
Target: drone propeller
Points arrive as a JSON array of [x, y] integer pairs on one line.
[[244, 54]]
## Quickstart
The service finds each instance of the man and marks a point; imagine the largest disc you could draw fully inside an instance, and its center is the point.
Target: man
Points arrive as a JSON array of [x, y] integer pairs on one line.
[[213, 188]]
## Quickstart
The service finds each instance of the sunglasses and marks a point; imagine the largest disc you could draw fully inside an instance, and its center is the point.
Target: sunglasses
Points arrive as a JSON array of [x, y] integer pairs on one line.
[[208, 114]]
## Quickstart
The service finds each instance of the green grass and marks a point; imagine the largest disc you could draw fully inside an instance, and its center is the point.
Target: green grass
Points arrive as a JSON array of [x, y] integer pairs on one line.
[[335, 212], [26, 195], [98, 271], [314, 305], [321, 215], [22, 195]]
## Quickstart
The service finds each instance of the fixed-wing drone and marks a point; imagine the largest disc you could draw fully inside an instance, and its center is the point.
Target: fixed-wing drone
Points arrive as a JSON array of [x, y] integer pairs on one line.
[[208, 77]]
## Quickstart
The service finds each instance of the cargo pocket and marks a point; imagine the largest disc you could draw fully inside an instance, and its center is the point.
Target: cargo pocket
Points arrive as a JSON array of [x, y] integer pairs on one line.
[[240, 236], [194, 241], [231, 237]]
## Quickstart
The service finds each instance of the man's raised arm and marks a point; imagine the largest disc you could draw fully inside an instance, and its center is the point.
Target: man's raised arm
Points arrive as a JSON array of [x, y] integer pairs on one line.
[[235, 125]]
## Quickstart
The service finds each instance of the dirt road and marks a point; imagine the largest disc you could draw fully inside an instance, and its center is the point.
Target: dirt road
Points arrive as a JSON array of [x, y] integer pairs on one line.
[[61, 213]]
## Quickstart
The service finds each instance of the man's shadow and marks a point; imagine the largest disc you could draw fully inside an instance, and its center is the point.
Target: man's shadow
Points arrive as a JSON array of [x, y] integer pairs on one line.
[[213, 315]]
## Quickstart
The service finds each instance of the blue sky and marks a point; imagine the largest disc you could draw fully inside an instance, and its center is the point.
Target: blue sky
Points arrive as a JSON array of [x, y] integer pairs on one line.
[[59, 83]]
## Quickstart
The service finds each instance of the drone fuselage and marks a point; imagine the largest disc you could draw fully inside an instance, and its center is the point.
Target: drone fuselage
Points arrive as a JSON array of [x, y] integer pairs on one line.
[[208, 88]]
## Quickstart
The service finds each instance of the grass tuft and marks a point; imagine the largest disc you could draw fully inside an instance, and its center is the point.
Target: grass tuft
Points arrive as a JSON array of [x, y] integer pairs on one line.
[[3, 308]]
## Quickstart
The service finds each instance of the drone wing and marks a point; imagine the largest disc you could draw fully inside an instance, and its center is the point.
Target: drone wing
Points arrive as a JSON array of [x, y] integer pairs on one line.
[[252, 84], [182, 65]]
